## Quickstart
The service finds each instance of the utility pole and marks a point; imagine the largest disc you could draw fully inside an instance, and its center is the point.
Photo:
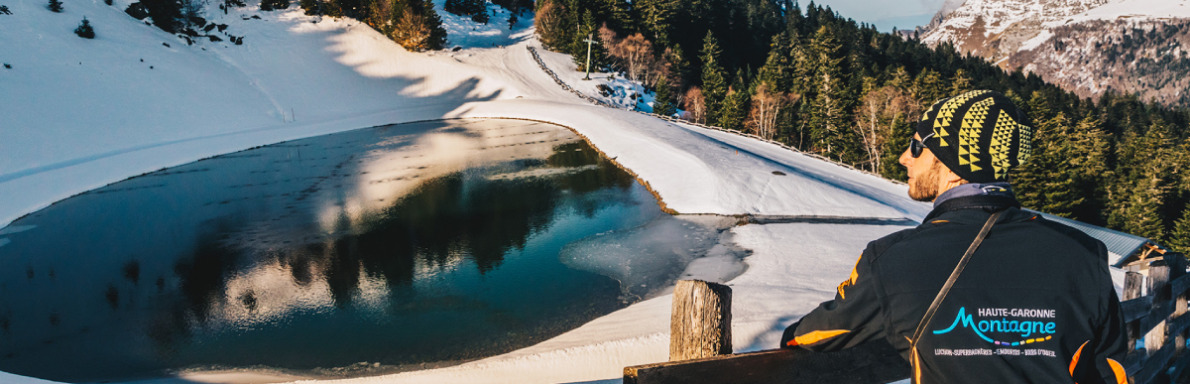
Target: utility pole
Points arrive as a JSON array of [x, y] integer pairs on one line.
[[589, 40]]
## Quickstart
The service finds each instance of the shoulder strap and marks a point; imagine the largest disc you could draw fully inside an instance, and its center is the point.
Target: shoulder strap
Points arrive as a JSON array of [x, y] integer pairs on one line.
[[958, 269]]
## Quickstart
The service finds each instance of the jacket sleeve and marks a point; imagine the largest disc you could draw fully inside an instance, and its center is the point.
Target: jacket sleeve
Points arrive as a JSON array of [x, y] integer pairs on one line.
[[852, 318], [1110, 345]]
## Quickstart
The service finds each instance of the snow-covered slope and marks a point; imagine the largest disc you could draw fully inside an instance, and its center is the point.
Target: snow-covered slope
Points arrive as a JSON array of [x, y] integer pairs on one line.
[[135, 99], [994, 28], [1086, 46], [76, 114]]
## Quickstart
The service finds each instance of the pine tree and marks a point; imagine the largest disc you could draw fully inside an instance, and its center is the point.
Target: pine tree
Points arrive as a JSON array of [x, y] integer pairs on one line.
[[615, 13], [677, 68], [84, 29], [1064, 172], [735, 105], [1179, 237], [166, 14], [828, 121], [453, 6], [776, 70], [663, 99], [657, 18], [714, 77], [312, 7], [419, 28], [553, 24], [269, 5], [928, 87], [1144, 183], [961, 83], [55, 6]]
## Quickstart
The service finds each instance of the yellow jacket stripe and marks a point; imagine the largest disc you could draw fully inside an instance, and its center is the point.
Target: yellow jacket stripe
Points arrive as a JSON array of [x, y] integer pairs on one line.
[[816, 336]]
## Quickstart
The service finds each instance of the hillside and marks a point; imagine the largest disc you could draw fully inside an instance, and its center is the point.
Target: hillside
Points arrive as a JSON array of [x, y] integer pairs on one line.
[[1085, 46], [80, 114]]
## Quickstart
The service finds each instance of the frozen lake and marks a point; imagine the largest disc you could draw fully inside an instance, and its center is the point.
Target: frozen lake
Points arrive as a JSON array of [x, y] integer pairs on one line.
[[364, 252]]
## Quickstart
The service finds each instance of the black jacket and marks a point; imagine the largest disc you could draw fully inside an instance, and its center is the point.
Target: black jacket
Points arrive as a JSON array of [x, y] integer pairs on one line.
[[1034, 305]]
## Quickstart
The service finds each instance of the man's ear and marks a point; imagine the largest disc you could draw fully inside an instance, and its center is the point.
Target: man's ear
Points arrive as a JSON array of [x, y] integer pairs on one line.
[[948, 176]]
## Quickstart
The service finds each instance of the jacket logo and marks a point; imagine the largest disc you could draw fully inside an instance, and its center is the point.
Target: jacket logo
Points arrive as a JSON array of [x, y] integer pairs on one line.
[[1031, 330]]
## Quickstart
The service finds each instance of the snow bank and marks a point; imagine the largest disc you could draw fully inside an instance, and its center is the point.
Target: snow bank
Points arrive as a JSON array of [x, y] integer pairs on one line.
[[696, 170]]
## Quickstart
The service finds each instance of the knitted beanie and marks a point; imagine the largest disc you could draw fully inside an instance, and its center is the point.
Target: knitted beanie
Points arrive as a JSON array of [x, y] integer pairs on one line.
[[979, 135]]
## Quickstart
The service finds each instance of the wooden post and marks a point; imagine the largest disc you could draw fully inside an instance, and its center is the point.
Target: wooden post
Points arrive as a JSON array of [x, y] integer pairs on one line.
[[700, 324], [1132, 286], [1177, 269], [1158, 289]]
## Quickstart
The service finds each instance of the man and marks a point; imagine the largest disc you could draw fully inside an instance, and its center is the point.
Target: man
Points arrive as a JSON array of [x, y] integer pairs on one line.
[[1034, 303]]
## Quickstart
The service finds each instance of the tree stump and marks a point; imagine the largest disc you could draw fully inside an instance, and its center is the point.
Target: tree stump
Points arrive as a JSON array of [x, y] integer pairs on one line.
[[700, 323]]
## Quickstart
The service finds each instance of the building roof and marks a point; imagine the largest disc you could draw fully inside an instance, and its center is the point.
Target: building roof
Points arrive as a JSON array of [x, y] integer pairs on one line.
[[1120, 245]]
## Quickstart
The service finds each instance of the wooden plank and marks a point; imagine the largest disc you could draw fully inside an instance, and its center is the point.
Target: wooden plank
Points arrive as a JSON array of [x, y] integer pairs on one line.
[[1160, 312], [875, 362], [1136, 308], [1179, 369], [1157, 363], [1177, 325], [1179, 285], [1134, 361], [700, 321]]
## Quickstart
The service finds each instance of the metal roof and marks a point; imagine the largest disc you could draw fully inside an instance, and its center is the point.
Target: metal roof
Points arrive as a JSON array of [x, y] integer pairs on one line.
[[1120, 245]]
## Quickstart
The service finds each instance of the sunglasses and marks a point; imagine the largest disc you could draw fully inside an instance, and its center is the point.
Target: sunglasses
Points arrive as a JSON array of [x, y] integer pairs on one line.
[[916, 146]]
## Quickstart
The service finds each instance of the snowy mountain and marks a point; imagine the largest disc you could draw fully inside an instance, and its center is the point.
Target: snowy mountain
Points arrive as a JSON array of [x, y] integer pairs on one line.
[[1086, 46]]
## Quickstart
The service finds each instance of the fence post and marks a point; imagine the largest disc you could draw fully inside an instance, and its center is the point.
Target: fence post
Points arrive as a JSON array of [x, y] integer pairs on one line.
[[700, 324], [1133, 282], [1159, 290], [1177, 269]]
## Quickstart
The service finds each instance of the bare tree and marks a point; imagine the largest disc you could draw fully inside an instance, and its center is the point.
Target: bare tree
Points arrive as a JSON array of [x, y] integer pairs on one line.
[[635, 55], [879, 111], [695, 105], [766, 104]]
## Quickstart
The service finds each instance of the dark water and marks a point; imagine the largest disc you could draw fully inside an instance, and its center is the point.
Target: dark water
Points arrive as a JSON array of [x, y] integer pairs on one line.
[[356, 253]]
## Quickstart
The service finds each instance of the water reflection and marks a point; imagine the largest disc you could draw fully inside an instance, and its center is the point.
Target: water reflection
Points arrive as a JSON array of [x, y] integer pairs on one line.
[[361, 252]]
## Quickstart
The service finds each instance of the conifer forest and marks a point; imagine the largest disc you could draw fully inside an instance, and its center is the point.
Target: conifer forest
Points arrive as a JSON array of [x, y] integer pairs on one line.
[[824, 84]]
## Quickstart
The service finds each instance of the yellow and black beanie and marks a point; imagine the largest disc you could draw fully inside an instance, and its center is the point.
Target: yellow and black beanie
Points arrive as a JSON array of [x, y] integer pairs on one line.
[[979, 135]]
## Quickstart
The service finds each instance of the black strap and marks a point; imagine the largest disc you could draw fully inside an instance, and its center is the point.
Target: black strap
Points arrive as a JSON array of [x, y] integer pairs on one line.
[[958, 269]]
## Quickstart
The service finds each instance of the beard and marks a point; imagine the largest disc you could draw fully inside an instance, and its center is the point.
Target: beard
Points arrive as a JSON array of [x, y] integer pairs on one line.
[[924, 187]]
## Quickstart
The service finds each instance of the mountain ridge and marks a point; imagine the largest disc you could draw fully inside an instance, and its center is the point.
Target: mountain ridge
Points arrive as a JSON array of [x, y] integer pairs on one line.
[[1085, 46]]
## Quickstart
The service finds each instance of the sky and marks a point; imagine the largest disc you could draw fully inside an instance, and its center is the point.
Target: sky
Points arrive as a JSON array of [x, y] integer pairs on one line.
[[904, 14]]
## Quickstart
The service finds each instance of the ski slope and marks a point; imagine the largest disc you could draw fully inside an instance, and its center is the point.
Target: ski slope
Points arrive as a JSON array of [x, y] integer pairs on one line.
[[79, 114]]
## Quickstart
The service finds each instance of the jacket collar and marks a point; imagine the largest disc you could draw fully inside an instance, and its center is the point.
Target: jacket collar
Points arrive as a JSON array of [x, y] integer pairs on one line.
[[990, 203]]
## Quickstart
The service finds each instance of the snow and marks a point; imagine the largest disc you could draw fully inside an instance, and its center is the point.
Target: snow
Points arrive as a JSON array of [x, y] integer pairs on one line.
[[1147, 9], [1036, 41], [623, 89]]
